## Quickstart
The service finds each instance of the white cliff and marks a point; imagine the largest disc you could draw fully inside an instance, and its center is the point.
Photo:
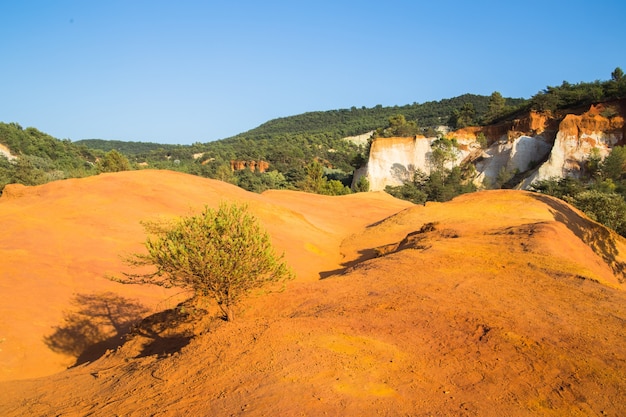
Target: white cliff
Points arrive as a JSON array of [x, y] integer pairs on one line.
[[537, 144], [517, 155], [393, 161]]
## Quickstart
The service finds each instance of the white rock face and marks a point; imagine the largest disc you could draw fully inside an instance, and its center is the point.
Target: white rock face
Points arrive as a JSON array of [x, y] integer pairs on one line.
[[393, 161], [6, 153], [569, 153], [518, 155]]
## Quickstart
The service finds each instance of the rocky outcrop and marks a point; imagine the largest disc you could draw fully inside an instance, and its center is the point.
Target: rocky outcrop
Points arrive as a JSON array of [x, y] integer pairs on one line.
[[576, 137], [260, 166], [393, 161], [538, 144], [6, 152], [517, 155]]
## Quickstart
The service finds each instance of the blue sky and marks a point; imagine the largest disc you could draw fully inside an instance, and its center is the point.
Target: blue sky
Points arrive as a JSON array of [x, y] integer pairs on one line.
[[195, 71]]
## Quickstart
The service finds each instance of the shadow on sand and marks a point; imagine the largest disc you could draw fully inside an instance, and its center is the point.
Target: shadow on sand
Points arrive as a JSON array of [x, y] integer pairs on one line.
[[364, 255], [98, 322], [599, 238], [103, 321]]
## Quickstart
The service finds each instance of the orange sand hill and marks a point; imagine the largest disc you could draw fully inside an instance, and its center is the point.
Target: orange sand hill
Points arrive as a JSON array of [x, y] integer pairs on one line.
[[497, 303], [62, 239]]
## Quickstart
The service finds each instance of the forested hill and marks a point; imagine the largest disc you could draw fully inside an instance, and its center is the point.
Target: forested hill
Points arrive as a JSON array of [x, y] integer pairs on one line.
[[126, 147], [356, 121]]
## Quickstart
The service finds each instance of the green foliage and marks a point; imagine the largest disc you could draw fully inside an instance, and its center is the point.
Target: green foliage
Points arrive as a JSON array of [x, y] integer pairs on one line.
[[584, 93], [563, 188], [258, 182], [40, 157], [598, 199], [465, 116], [335, 187], [496, 107], [482, 140], [221, 254], [7, 171], [617, 75], [503, 177], [315, 181], [606, 208], [444, 151], [398, 127], [614, 165], [409, 192], [113, 161], [593, 163], [129, 148], [362, 185], [349, 122]]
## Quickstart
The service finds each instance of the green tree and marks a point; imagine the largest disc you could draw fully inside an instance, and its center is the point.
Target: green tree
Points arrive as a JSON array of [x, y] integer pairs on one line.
[[362, 185], [223, 172], [444, 151], [221, 254], [606, 208], [495, 107], [617, 74], [334, 187], [463, 117], [314, 180], [409, 192], [7, 172], [482, 140], [614, 165], [113, 161], [398, 127], [31, 170]]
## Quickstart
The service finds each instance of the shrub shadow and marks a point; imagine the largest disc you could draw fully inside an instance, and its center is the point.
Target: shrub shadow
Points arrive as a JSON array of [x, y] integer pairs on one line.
[[98, 322], [166, 332]]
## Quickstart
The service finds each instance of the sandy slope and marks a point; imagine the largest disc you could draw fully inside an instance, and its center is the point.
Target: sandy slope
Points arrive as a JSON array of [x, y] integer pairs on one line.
[[509, 304], [61, 239]]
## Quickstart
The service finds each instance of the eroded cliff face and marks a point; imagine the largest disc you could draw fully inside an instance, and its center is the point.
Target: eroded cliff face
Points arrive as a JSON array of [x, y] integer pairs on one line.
[[253, 166], [393, 161], [576, 137], [541, 145]]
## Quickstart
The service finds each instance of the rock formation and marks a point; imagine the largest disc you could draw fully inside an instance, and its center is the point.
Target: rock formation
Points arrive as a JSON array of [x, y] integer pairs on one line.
[[576, 137], [253, 166], [393, 161], [541, 145]]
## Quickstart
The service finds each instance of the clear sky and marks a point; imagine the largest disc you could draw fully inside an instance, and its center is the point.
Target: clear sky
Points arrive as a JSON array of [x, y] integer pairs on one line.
[[194, 71]]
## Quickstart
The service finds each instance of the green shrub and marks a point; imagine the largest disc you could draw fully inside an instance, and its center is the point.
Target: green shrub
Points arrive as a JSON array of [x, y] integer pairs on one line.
[[221, 254]]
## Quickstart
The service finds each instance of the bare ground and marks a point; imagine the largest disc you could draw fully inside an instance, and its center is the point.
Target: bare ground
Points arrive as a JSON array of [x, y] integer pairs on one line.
[[497, 303]]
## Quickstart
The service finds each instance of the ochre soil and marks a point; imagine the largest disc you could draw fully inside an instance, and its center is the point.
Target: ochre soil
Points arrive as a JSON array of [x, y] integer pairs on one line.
[[497, 303]]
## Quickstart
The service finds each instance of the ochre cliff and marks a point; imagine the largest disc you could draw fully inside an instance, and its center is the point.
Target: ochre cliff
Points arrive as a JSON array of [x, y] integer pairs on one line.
[[253, 166], [577, 136], [541, 144]]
